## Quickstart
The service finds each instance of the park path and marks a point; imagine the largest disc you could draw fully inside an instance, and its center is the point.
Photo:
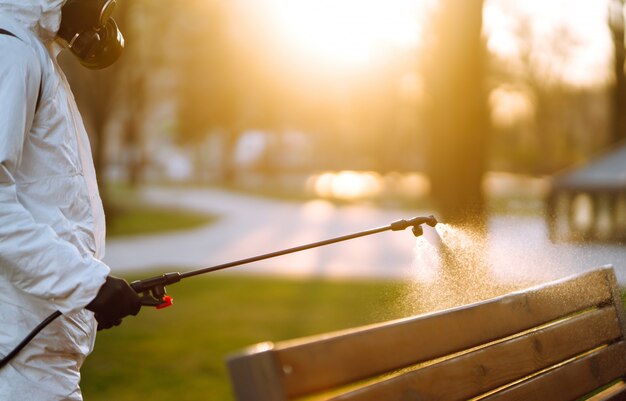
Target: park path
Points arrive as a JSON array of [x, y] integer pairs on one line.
[[517, 247], [249, 226]]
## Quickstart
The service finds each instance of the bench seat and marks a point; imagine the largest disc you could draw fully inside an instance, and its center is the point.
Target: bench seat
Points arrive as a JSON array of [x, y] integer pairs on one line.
[[558, 341]]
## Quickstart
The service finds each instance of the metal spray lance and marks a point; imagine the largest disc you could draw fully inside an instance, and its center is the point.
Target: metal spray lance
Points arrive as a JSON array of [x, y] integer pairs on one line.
[[153, 291], [153, 288]]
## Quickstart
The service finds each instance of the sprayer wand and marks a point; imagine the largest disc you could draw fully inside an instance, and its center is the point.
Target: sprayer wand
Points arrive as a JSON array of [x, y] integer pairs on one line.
[[153, 288]]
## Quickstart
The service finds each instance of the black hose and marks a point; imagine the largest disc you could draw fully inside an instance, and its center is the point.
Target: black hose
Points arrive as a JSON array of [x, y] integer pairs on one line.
[[29, 337]]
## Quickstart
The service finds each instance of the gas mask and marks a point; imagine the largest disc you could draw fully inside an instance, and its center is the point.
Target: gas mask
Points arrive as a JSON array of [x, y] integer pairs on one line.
[[90, 33]]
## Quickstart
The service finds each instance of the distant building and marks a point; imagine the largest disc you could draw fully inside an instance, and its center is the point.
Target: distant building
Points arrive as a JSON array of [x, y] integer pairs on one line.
[[588, 203]]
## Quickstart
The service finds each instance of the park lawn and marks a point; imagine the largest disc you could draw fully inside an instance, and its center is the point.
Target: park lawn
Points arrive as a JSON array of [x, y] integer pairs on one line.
[[140, 219], [178, 353], [127, 214]]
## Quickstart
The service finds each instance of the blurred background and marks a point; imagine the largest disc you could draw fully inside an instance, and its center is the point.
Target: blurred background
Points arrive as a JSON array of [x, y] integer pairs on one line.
[[421, 100], [251, 125]]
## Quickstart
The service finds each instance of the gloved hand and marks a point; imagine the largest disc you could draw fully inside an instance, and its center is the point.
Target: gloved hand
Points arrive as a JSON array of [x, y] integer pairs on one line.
[[115, 300]]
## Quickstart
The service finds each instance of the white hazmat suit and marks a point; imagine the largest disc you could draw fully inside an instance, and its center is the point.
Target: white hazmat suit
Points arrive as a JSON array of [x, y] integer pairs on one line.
[[51, 218]]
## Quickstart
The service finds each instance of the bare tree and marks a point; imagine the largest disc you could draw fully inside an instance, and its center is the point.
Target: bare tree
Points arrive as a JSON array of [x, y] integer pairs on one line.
[[561, 109]]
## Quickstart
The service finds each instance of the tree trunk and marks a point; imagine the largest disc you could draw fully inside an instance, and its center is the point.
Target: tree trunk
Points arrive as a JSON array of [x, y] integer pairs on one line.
[[458, 125], [458, 118], [616, 24]]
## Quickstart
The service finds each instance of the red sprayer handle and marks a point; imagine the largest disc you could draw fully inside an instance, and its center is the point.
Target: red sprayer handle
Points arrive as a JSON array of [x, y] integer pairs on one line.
[[153, 290]]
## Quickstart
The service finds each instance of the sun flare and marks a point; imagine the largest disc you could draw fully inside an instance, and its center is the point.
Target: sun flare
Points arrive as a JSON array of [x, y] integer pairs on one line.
[[346, 32]]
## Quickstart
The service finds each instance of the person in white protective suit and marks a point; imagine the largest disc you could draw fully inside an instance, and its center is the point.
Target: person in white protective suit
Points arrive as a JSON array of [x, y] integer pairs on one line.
[[51, 219]]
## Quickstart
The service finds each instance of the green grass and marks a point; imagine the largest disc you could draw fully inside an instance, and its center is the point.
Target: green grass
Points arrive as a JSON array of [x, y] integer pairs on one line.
[[139, 219], [128, 215], [178, 353]]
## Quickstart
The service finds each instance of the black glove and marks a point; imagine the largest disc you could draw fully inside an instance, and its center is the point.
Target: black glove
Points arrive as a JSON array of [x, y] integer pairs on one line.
[[115, 300]]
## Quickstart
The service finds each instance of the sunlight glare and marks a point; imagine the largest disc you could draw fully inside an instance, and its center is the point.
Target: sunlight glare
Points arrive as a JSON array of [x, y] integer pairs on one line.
[[346, 185], [346, 32], [508, 106]]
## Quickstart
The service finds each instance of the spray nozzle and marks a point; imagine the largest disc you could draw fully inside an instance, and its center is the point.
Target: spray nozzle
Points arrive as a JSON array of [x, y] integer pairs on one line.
[[416, 223], [417, 231]]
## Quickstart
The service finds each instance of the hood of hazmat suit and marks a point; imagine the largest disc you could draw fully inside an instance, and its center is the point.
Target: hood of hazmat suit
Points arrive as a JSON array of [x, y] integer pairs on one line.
[[51, 218]]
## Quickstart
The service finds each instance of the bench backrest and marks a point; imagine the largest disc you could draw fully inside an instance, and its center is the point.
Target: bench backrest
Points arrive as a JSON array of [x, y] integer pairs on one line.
[[557, 341]]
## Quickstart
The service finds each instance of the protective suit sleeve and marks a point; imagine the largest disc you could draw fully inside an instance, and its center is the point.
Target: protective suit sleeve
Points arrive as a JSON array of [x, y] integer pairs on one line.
[[32, 256]]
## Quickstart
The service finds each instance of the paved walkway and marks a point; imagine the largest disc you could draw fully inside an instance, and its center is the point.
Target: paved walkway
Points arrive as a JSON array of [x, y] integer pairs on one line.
[[517, 247]]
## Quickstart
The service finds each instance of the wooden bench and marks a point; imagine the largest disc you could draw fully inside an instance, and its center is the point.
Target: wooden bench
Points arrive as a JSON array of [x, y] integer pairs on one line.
[[558, 341]]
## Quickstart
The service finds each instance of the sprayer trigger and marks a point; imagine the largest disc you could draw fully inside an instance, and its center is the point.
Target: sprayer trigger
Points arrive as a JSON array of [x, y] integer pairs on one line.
[[167, 301]]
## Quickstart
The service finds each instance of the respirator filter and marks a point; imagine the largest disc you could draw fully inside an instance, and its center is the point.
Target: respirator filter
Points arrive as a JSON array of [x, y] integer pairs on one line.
[[90, 33]]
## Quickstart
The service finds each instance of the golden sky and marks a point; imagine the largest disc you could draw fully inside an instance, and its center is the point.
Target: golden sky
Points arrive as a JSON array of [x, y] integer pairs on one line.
[[352, 35]]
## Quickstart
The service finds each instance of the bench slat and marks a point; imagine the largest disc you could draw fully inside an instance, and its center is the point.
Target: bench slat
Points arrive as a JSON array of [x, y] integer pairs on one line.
[[616, 392], [573, 380], [292, 369], [255, 376], [322, 363], [475, 373]]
